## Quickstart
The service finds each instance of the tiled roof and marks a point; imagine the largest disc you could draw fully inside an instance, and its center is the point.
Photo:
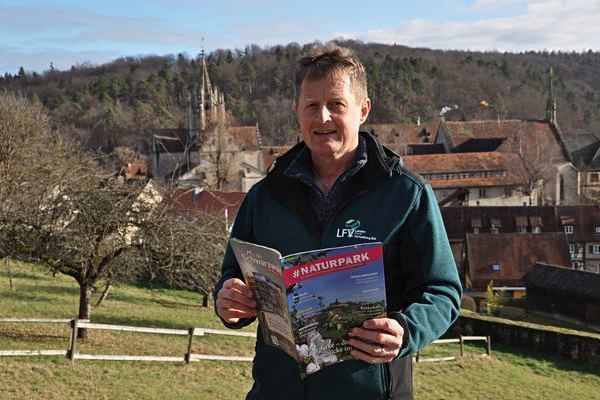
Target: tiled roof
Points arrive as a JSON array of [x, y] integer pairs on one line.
[[245, 136], [171, 140], [533, 131], [403, 133], [270, 154], [584, 220], [505, 258], [566, 281], [136, 170], [174, 140], [192, 202], [583, 149], [460, 220], [510, 163]]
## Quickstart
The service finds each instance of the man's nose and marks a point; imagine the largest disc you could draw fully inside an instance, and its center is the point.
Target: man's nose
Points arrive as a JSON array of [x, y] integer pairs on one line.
[[324, 114]]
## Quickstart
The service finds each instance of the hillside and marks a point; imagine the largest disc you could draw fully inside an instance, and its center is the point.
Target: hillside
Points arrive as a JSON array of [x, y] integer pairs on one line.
[[510, 374], [120, 102]]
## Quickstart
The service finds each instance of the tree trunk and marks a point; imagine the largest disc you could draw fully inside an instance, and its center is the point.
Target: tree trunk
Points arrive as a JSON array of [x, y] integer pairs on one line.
[[104, 295], [8, 270], [207, 300], [85, 307]]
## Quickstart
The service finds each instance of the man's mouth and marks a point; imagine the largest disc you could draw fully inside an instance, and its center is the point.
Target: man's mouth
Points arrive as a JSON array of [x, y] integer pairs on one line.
[[325, 132]]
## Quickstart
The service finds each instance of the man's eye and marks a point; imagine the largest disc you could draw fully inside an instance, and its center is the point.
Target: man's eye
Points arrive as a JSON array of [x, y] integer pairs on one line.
[[337, 106]]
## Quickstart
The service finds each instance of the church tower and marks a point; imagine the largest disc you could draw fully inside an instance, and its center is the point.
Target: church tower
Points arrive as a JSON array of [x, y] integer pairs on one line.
[[551, 102]]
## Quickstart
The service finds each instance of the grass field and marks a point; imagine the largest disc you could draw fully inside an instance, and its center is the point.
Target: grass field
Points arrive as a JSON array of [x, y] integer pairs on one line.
[[509, 374]]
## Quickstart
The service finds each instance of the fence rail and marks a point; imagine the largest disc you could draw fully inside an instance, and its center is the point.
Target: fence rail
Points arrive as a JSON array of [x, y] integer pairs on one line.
[[76, 324], [461, 340]]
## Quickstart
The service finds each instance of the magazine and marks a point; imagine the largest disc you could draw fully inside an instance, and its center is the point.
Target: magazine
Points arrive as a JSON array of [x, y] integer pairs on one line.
[[309, 301]]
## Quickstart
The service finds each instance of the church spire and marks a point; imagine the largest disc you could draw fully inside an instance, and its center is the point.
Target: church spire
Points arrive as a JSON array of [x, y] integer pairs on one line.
[[551, 102], [206, 92]]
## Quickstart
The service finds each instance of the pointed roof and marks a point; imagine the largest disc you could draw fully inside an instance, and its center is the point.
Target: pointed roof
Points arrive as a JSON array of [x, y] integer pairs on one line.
[[505, 258], [565, 280], [513, 131], [454, 170]]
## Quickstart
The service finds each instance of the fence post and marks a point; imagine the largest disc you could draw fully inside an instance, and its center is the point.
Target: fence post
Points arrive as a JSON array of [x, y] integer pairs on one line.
[[417, 357], [488, 339], [189, 349], [73, 341], [462, 343]]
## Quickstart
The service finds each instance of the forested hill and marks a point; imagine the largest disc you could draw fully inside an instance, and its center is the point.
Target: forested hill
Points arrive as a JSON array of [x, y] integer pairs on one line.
[[118, 103]]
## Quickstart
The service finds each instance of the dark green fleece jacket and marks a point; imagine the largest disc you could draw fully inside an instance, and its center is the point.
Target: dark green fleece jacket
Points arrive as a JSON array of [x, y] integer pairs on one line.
[[393, 206]]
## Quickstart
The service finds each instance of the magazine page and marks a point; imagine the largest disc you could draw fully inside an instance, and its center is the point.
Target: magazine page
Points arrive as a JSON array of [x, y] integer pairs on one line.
[[329, 292], [263, 273]]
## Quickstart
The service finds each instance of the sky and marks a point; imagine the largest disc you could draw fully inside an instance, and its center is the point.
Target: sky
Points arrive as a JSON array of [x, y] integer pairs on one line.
[[36, 33]]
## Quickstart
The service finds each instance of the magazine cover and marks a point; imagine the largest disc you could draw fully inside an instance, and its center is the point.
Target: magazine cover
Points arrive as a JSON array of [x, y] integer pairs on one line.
[[309, 301], [329, 292]]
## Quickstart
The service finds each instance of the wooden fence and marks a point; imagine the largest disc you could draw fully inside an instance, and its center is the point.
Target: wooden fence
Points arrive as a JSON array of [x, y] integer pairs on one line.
[[461, 340], [76, 324]]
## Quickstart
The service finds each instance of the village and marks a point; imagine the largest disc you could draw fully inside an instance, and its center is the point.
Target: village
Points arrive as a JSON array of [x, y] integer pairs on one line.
[[519, 200]]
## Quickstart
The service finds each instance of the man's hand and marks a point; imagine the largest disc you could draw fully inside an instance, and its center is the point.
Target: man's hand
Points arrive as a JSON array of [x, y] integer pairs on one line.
[[386, 337], [235, 301]]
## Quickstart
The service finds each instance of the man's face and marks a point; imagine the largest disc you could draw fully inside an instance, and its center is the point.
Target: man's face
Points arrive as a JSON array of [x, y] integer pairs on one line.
[[330, 115]]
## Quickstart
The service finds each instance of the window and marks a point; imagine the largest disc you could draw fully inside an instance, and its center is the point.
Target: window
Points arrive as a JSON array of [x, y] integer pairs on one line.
[[572, 249], [481, 193], [596, 249], [475, 230], [507, 191], [493, 229], [496, 267], [536, 229], [568, 229], [597, 229], [522, 229], [594, 177]]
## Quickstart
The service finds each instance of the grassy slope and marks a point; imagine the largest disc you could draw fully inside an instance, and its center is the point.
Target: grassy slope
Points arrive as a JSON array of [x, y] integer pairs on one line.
[[510, 373]]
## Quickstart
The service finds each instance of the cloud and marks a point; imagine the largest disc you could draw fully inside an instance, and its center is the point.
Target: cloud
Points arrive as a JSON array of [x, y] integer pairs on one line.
[[35, 36], [552, 25]]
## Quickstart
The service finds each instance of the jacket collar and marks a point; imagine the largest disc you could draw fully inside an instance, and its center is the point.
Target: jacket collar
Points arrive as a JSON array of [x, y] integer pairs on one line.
[[381, 163]]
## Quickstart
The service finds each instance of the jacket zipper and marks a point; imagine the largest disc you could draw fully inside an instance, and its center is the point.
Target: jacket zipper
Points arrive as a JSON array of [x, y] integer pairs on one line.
[[387, 380]]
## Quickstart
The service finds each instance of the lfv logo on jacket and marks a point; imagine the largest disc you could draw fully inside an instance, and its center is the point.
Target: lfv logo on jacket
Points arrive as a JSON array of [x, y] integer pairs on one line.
[[351, 231]]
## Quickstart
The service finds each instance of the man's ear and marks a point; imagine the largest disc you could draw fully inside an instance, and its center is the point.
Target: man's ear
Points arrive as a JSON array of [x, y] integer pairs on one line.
[[365, 108]]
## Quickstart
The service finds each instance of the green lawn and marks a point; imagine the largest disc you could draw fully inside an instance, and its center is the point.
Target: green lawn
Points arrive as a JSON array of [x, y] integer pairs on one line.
[[509, 374]]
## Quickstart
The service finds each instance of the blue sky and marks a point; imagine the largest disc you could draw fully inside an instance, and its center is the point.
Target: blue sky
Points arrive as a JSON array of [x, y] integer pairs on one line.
[[65, 32]]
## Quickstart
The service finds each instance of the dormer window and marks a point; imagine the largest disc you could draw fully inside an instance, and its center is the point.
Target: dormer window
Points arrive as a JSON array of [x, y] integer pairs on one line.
[[521, 223], [476, 224], [536, 224], [568, 224], [495, 225]]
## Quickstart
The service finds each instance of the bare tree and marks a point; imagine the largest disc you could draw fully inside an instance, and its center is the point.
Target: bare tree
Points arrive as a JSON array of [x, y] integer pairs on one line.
[[58, 209], [56, 206], [184, 252], [539, 153]]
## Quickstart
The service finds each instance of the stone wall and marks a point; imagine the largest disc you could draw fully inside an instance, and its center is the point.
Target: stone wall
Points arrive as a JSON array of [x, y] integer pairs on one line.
[[578, 347]]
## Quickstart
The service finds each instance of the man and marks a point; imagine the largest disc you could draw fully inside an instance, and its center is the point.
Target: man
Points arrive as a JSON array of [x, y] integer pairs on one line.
[[337, 176]]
